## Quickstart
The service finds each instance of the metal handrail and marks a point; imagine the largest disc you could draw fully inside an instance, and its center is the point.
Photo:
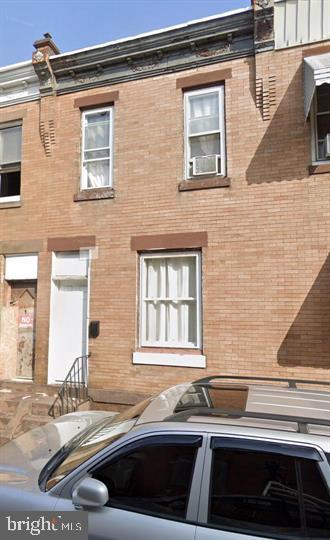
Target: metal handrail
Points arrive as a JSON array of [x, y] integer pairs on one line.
[[74, 389], [292, 383]]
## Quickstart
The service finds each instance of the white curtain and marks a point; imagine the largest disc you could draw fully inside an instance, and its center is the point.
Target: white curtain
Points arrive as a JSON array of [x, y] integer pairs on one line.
[[97, 147], [205, 145], [204, 117], [204, 113], [97, 173], [170, 301], [97, 130]]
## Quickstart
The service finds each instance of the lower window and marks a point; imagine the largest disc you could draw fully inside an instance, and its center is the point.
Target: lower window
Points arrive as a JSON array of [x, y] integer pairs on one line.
[[268, 494], [10, 185], [170, 300]]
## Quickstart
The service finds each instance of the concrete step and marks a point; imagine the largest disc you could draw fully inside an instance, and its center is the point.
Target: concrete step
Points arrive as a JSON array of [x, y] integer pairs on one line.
[[29, 387], [41, 405], [21, 411], [9, 402], [25, 405], [10, 399]]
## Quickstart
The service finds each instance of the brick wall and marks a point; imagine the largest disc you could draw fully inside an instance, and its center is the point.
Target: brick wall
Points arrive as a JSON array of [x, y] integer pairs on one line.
[[266, 270]]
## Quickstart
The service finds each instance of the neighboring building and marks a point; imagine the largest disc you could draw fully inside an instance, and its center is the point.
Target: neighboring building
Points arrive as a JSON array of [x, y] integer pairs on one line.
[[165, 203]]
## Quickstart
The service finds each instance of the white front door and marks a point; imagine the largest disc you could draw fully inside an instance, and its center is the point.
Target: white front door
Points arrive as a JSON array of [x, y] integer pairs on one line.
[[68, 316]]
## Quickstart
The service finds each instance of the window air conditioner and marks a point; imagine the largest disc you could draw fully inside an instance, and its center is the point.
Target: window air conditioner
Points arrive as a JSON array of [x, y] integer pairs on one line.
[[327, 145], [205, 164]]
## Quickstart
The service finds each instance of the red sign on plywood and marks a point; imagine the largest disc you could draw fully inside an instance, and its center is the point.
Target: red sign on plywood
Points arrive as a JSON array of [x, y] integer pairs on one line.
[[25, 321]]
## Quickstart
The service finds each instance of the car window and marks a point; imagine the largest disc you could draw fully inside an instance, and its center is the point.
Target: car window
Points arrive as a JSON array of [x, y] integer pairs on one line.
[[153, 479], [253, 491], [268, 493], [316, 500]]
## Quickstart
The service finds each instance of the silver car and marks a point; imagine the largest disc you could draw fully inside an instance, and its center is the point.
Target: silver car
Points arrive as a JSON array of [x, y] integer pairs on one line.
[[220, 458]]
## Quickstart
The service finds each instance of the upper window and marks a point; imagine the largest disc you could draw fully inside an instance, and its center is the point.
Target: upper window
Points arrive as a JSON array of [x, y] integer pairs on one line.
[[97, 152], [170, 300], [10, 162], [322, 122], [205, 133], [267, 493]]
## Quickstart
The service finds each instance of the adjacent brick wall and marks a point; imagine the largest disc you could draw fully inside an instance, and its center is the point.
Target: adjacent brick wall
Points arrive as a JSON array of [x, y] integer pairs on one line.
[[266, 269]]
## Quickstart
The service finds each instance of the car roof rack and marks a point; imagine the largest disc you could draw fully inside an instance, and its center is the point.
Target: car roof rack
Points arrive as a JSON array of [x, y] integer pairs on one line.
[[301, 421], [292, 383]]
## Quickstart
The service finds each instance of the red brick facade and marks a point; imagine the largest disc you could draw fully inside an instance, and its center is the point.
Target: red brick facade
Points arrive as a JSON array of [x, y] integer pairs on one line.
[[265, 268]]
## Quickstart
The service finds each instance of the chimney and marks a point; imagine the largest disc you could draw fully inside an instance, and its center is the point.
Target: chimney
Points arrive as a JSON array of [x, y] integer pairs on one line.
[[46, 46]]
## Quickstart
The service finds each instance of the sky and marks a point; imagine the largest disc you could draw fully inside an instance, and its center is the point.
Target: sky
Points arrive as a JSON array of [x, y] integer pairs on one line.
[[75, 24]]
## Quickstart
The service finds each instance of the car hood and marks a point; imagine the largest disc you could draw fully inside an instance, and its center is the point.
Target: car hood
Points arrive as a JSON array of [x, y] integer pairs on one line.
[[23, 458]]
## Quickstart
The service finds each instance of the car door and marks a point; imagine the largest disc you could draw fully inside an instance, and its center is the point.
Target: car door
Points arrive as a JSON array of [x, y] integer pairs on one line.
[[256, 489], [154, 488]]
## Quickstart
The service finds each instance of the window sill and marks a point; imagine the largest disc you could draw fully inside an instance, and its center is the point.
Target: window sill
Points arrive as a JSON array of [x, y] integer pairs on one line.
[[168, 350], [322, 168], [94, 194], [9, 204], [169, 359], [204, 183]]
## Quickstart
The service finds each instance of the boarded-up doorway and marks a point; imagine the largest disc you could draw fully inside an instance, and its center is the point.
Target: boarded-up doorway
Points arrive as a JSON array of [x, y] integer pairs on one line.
[[23, 301]]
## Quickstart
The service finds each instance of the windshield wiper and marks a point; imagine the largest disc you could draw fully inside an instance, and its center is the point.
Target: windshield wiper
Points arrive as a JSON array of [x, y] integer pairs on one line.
[[52, 464]]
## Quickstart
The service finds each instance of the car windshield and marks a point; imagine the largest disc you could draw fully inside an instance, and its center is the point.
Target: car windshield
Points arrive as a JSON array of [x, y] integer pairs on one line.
[[87, 444]]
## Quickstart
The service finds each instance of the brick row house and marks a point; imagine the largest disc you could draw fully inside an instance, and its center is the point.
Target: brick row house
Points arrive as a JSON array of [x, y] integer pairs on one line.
[[165, 204]]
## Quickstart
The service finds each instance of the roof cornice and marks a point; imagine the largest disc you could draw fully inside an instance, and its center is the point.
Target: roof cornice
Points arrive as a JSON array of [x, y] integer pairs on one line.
[[192, 45]]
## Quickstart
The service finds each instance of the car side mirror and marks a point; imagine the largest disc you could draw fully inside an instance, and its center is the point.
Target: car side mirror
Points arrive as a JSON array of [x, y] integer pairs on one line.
[[90, 492]]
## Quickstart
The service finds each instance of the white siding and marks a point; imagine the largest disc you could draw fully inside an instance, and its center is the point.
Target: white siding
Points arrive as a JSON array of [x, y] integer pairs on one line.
[[301, 21]]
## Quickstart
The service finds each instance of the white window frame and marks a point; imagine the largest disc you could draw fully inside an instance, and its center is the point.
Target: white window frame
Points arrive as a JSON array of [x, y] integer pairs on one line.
[[142, 311], [221, 103], [12, 167], [83, 179], [11, 198], [314, 138]]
